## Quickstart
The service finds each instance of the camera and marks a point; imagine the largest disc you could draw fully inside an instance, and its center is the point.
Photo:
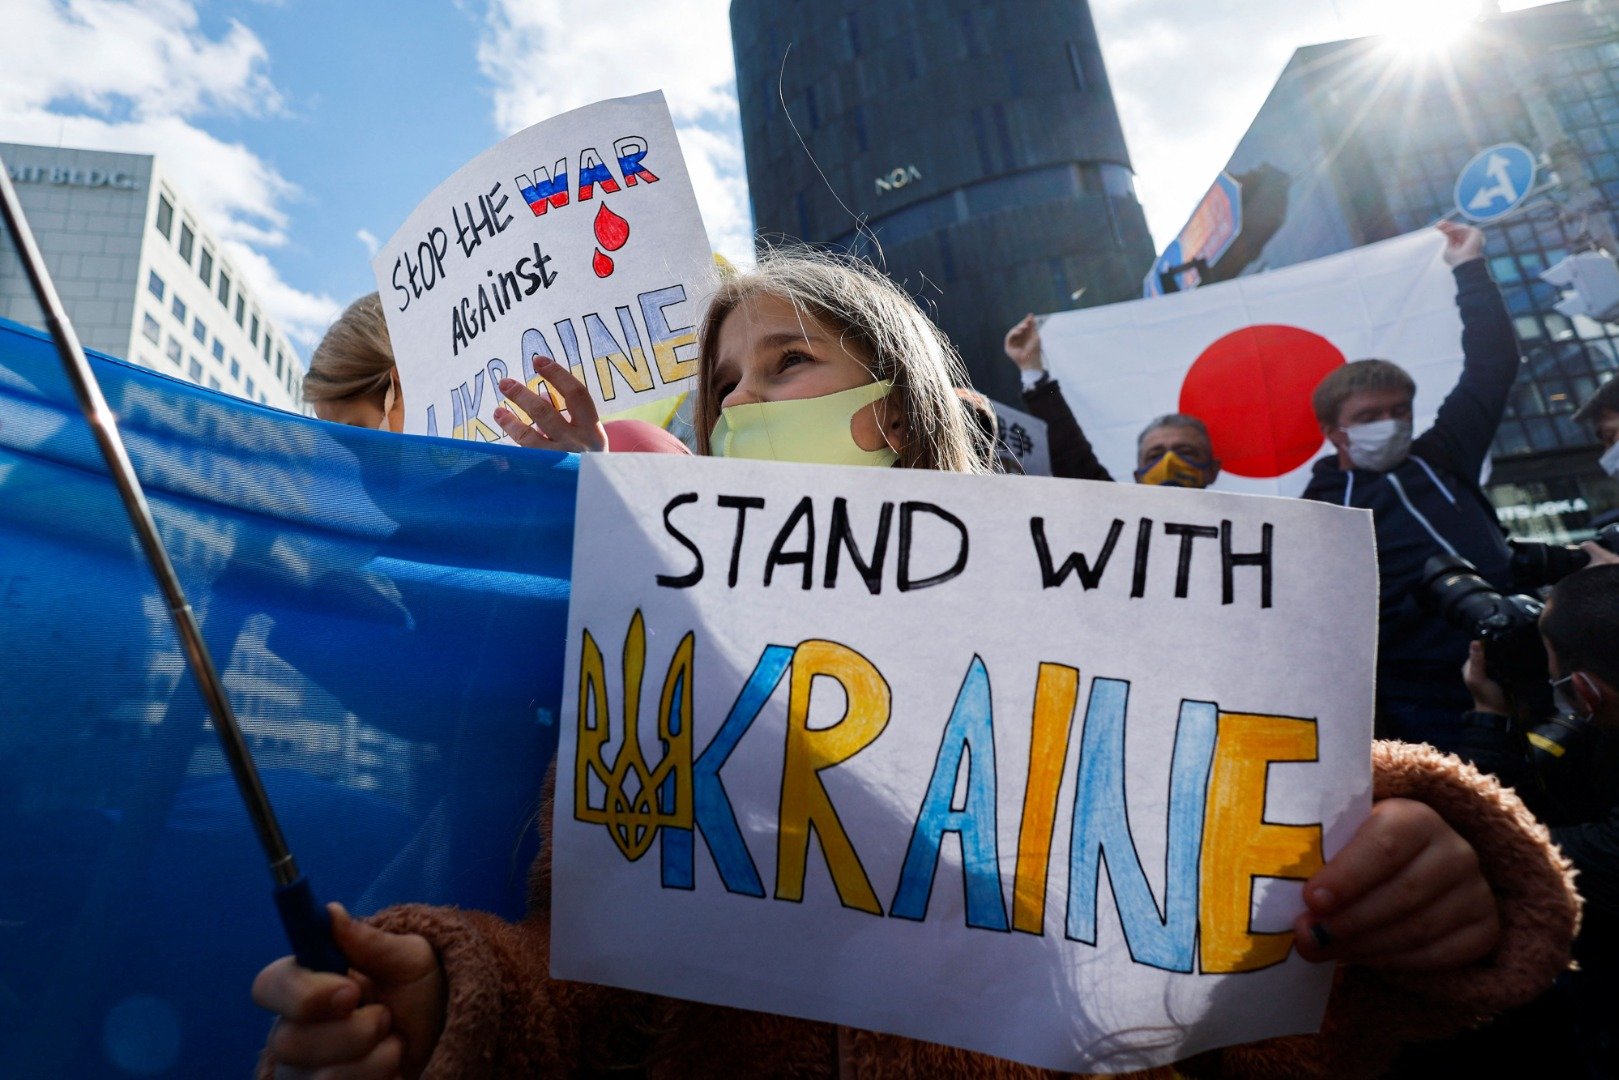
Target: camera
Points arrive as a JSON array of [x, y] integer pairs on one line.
[[1535, 564], [1514, 656]]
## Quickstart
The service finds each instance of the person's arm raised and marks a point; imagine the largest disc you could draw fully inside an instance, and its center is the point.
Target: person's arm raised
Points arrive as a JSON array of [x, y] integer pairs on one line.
[[1467, 420]]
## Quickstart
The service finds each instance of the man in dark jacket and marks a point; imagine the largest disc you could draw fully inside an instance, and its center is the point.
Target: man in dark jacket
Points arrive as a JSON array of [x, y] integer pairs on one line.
[[1424, 495], [1172, 450]]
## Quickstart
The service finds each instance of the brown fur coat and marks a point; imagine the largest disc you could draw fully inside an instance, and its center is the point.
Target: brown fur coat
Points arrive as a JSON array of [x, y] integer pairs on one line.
[[508, 1018]]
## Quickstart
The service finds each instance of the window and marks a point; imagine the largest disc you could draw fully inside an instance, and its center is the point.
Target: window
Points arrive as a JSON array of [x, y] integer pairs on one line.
[[150, 330], [241, 309], [249, 385], [253, 334], [199, 331], [278, 371], [266, 348], [165, 216], [213, 382], [187, 239], [172, 351], [194, 369], [154, 284], [205, 267], [235, 369], [224, 289], [219, 350], [179, 309]]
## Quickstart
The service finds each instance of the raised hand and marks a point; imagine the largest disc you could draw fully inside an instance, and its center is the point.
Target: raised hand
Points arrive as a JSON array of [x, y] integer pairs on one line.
[[1463, 243], [1023, 345], [578, 430]]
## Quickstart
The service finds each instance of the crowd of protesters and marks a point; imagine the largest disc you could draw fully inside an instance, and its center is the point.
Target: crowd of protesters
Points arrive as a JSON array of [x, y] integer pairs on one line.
[[1449, 906]]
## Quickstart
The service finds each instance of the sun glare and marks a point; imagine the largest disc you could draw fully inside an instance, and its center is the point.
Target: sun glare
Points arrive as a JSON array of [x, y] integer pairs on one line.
[[1427, 27]]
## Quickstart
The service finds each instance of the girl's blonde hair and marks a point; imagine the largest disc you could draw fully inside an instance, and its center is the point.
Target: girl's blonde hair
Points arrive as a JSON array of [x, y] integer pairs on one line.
[[355, 358], [866, 308]]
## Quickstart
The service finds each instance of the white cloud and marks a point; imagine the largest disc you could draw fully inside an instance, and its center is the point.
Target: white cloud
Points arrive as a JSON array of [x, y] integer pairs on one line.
[[134, 77], [369, 239], [544, 59], [1189, 76]]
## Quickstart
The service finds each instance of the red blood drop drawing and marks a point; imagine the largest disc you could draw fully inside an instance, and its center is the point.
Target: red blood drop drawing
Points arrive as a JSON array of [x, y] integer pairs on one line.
[[611, 230], [601, 264], [1252, 388]]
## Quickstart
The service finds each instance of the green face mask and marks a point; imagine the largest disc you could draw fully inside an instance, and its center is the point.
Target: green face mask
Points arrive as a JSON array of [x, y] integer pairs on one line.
[[814, 431]]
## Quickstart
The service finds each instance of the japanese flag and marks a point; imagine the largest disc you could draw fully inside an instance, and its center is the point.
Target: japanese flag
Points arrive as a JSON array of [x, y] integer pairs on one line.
[[1244, 356]]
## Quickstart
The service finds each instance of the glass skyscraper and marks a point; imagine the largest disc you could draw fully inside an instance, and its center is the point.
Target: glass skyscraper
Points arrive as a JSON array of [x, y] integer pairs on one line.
[[972, 150]]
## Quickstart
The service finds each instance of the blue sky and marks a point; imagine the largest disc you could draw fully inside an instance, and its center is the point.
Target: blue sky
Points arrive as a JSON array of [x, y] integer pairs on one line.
[[309, 129]]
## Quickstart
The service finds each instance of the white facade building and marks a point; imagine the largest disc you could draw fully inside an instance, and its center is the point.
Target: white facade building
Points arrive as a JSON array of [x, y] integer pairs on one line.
[[140, 275]]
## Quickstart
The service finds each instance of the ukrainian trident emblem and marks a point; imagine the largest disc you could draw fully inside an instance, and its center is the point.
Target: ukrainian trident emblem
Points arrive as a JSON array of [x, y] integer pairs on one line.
[[636, 801]]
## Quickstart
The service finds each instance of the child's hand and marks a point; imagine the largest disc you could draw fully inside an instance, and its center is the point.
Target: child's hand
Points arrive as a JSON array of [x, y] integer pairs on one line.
[[577, 431], [1405, 893], [321, 1018]]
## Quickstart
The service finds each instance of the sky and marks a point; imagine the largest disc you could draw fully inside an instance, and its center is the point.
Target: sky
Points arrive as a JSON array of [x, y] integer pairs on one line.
[[305, 131]]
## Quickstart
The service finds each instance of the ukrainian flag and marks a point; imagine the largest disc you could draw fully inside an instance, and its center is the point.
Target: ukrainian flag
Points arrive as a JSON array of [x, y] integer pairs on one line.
[[388, 614]]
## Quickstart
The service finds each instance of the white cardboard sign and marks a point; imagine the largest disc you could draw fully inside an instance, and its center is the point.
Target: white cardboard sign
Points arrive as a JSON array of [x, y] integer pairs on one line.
[[1026, 766], [579, 239]]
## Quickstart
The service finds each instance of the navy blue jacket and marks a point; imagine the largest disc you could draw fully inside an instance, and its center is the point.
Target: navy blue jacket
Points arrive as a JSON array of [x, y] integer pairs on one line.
[[1432, 499]]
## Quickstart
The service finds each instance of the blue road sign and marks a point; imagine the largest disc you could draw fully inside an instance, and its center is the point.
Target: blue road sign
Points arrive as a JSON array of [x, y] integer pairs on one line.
[[1209, 234], [1495, 182]]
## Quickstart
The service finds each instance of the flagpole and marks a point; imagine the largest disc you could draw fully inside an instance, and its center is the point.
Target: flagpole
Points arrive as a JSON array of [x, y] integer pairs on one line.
[[306, 922]]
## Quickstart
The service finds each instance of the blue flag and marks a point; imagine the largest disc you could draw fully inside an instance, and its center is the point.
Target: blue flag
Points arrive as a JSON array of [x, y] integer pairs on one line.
[[388, 615]]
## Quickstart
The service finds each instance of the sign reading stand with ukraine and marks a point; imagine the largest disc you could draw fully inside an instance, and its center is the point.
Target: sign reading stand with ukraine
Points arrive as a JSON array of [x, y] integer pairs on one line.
[[577, 239], [884, 748]]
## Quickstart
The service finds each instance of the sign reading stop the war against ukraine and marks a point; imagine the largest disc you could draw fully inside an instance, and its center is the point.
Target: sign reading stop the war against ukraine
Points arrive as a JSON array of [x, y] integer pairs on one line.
[[578, 239], [1245, 355], [1026, 766]]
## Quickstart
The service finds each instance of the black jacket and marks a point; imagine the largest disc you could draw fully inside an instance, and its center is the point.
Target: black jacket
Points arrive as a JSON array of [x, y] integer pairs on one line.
[[1071, 453], [1432, 499]]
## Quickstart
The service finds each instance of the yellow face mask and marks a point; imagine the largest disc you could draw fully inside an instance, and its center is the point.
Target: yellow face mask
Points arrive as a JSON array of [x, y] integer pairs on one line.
[[1172, 470], [814, 431]]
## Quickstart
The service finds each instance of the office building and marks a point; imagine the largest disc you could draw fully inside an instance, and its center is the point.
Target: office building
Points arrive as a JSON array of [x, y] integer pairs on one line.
[[976, 144], [141, 275]]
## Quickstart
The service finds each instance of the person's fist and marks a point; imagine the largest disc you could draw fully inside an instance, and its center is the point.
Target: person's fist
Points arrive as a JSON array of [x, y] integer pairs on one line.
[[1023, 345], [1463, 243], [1405, 893], [382, 1019]]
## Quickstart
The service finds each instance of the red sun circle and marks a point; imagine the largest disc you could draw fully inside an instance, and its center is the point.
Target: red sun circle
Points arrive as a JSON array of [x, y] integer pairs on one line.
[[1252, 388]]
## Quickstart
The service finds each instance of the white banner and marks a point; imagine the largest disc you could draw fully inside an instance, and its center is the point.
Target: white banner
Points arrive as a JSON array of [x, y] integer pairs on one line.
[[1244, 355], [1066, 751], [578, 239], [1024, 438]]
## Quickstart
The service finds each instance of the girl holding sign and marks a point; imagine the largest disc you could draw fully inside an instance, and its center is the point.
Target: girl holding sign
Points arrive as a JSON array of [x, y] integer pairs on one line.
[[1447, 906]]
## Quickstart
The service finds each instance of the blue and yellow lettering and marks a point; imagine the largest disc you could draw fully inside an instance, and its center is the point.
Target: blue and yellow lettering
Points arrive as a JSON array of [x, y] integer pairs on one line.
[[1101, 830], [970, 733]]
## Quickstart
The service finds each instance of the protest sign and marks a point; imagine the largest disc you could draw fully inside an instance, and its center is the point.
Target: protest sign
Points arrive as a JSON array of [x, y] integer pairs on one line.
[[1244, 356], [578, 239], [979, 695], [1023, 437]]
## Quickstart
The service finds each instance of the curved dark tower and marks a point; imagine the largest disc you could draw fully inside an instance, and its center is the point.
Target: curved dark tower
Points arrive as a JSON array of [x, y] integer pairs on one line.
[[979, 141]]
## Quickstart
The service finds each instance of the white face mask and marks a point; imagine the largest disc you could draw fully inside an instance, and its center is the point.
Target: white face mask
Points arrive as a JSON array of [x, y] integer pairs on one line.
[[1379, 445], [1610, 461]]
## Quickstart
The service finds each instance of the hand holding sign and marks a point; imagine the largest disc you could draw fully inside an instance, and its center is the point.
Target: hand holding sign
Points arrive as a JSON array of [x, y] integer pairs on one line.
[[578, 429]]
